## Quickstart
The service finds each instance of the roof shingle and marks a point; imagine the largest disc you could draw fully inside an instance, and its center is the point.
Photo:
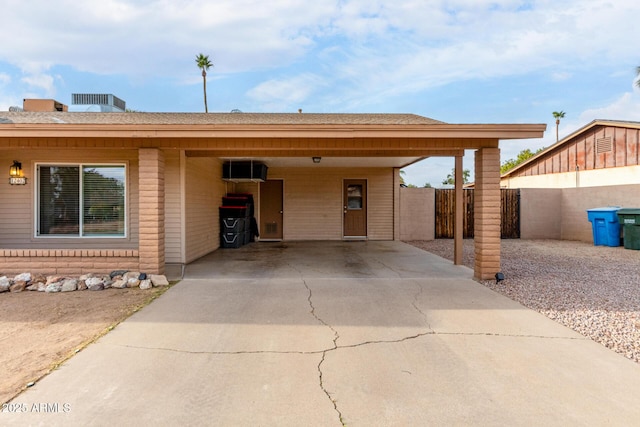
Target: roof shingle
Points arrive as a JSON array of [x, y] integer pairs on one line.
[[213, 118]]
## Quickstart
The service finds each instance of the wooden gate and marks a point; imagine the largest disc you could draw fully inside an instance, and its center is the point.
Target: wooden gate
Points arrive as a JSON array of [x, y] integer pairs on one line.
[[445, 213]]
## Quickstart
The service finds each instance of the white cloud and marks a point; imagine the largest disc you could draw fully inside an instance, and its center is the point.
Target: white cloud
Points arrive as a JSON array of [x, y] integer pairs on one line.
[[627, 107], [41, 81], [369, 50], [155, 37], [286, 94]]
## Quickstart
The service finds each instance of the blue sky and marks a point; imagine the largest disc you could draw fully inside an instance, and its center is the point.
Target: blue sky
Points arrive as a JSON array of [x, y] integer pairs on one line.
[[459, 61]]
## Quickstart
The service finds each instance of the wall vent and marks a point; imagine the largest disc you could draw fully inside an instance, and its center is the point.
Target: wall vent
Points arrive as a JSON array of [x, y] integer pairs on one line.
[[604, 145]]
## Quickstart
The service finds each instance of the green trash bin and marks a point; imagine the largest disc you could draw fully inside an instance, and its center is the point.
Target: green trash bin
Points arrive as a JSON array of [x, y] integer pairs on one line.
[[629, 218]]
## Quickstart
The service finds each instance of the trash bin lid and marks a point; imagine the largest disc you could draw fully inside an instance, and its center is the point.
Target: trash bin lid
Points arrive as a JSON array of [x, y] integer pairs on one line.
[[629, 211], [605, 209]]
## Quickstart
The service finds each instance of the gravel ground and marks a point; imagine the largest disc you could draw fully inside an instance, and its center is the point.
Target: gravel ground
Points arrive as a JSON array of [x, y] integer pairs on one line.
[[594, 290]]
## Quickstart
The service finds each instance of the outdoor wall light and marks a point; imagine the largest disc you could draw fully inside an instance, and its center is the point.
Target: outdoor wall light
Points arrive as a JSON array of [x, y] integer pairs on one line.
[[16, 169], [316, 159], [15, 174]]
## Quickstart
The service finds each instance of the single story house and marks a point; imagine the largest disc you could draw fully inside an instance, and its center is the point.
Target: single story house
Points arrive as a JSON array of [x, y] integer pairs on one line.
[[602, 153], [93, 191]]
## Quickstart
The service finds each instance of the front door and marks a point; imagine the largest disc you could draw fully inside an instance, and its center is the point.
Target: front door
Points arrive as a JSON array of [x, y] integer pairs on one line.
[[271, 210], [355, 208]]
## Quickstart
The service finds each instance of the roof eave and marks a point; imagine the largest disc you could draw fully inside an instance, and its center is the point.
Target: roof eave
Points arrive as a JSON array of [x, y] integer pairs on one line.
[[473, 131]]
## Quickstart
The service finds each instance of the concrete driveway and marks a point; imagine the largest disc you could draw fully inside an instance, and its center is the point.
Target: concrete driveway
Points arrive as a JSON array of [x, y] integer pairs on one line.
[[331, 333]]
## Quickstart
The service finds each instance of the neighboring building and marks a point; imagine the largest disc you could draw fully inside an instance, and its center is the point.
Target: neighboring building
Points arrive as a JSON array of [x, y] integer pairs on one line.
[[602, 153], [43, 105], [141, 191]]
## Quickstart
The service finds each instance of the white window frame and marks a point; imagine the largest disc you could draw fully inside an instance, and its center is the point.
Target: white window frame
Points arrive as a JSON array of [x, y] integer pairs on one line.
[[81, 166]]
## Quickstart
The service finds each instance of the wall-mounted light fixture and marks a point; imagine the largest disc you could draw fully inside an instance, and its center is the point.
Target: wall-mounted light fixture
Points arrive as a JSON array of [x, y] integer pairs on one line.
[[16, 175], [316, 159]]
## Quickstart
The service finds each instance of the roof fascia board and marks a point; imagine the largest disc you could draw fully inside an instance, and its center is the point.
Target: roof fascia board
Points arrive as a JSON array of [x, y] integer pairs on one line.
[[471, 131]]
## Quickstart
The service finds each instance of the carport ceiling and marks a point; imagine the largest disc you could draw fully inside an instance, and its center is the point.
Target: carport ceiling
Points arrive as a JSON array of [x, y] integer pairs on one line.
[[331, 162]]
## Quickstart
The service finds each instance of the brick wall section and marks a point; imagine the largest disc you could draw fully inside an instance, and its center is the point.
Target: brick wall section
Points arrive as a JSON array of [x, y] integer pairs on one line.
[[487, 213], [66, 261], [151, 216]]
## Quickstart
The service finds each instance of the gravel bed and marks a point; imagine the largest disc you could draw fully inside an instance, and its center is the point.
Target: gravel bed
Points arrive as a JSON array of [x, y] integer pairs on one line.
[[594, 290]]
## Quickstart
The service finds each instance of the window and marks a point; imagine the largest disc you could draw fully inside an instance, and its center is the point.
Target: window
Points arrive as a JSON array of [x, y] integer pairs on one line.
[[81, 200], [354, 196]]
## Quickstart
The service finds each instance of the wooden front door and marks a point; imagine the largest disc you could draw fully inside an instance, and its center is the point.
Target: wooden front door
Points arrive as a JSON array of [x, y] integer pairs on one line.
[[355, 208], [271, 210]]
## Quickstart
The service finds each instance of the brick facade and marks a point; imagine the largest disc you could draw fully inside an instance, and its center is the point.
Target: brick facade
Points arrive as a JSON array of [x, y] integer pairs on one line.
[[151, 216], [487, 213], [67, 261]]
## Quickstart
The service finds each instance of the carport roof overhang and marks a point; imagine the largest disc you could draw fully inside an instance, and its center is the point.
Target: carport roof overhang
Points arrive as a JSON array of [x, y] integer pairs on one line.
[[384, 139]]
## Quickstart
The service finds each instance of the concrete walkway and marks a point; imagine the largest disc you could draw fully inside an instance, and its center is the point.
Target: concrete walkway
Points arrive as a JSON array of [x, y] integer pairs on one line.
[[319, 334]]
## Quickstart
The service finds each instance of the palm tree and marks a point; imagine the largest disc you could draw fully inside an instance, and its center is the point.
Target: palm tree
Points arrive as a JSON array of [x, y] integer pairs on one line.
[[558, 115], [203, 63]]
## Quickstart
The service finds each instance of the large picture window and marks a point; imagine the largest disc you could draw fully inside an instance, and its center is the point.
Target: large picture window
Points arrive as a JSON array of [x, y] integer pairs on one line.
[[81, 200]]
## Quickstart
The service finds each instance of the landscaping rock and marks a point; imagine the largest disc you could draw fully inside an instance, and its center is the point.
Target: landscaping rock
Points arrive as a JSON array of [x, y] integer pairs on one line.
[[18, 286], [39, 278], [92, 281], [53, 287], [115, 273], [97, 286], [5, 284], [22, 277], [146, 284], [53, 279], [119, 284], [54, 283], [159, 280], [69, 285]]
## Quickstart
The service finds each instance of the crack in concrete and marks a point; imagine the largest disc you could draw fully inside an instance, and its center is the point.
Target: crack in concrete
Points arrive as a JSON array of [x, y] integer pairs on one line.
[[340, 347], [336, 336], [414, 303]]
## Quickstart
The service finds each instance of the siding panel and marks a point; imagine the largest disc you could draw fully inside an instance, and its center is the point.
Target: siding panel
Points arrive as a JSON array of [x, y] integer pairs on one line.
[[313, 205], [17, 228], [204, 189], [172, 206]]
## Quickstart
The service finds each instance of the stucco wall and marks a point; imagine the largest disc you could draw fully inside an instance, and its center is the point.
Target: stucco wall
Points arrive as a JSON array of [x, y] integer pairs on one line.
[[562, 213], [417, 214], [540, 213], [313, 206], [628, 175], [576, 201]]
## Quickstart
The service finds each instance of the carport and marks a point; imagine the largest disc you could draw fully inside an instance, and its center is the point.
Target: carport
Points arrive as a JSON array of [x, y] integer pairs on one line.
[[172, 163]]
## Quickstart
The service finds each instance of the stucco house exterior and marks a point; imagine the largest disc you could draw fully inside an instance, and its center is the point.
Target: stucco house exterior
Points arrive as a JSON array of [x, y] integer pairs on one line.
[[142, 190], [602, 153]]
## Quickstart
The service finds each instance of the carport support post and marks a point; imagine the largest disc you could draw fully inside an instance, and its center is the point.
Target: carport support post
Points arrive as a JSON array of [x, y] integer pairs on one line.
[[151, 210], [458, 225], [487, 213]]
